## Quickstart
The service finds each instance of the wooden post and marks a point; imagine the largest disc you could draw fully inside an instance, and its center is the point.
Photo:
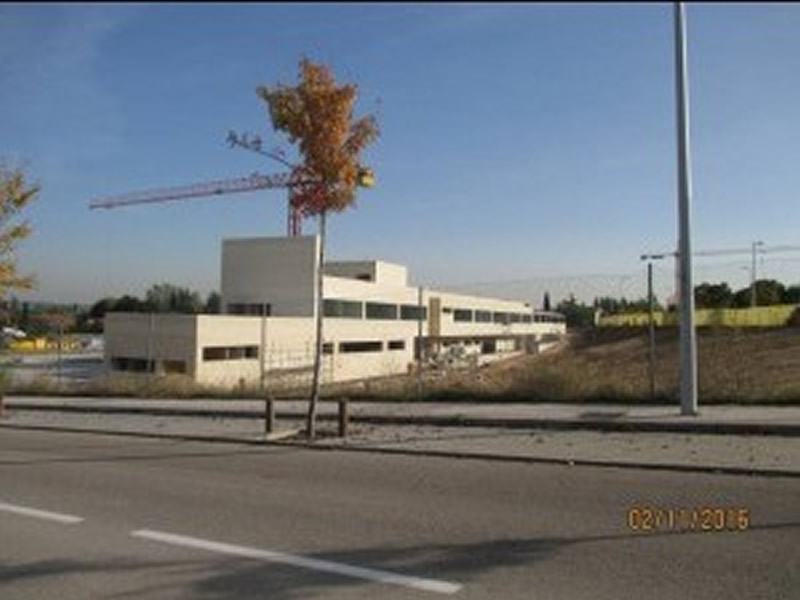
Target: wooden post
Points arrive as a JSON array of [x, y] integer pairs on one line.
[[343, 417], [269, 416]]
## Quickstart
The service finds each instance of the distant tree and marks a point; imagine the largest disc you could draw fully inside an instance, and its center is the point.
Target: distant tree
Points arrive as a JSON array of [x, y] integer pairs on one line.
[[791, 295], [768, 293], [710, 295], [577, 314], [128, 304], [317, 114], [169, 298], [546, 303], [213, 305], [15, 194]]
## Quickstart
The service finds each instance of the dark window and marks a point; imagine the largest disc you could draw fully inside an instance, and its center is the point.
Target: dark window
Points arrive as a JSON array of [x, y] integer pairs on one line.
[[327, 348], [252, 309], [483, 316], [343, 308], [501, 317], [515, 317], [229, 352], [364, 277], [526, 318], [397, 345], [137, 365], [360, 346], [379, 310], [462, 314], [447, 310], [215, 353], [411, 312]]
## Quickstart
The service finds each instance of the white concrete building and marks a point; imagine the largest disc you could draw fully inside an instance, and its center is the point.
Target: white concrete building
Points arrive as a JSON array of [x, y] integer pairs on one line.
[[373, 320]]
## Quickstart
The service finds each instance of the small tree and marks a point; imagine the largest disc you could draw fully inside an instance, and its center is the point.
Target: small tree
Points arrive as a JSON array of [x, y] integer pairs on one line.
[[317, 114], [15, 194]]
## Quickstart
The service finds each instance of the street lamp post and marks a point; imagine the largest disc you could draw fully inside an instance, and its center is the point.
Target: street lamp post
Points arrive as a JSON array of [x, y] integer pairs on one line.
[[688, 341]]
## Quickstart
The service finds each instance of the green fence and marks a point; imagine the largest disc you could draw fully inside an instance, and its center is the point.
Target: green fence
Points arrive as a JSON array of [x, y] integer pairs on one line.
[[759, 316]]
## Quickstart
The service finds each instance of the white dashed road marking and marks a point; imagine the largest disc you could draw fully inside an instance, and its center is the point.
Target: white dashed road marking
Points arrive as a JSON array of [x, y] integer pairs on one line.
[[40, 514], [428, 585]]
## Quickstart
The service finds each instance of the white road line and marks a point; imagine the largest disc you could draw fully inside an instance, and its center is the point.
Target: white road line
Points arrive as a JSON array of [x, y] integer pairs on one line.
[[428, 585], [40, 514]]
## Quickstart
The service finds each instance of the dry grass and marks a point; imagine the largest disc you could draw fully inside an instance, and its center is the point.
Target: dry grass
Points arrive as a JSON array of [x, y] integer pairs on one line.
[[734, 366]]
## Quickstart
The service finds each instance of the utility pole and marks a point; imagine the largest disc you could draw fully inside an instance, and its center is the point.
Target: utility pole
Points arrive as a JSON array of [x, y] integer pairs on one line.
[[420, 344], [688, 341], [651, 320], [753, 301]]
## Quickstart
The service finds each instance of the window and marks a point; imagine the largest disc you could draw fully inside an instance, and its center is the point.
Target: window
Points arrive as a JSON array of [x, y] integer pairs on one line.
[[526, 318], [501, 317], [410, 312], [515, 317], [327, 348], [397, 345], [364, 277], [462, 314], [137, 365], [483, 316], [251, 309], [360, 346], [229, 352], [379, 310], [447, 310], [343, 308]]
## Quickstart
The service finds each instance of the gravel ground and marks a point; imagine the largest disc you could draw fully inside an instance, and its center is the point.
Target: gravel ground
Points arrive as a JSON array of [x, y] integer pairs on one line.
[[708, 450]]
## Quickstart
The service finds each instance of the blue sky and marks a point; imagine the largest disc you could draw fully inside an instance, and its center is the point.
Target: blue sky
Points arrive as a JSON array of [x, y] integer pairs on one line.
[[519, 143]]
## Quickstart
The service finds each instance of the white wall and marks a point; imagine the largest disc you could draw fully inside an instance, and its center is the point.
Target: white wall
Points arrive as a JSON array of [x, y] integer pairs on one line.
[[278, 271]]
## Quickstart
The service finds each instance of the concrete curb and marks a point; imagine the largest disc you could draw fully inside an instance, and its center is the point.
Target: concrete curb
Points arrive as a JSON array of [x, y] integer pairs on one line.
[[707, 469], [778, 429]]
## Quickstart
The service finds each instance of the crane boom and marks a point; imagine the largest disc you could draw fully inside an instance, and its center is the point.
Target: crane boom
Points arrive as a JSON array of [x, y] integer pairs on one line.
[[197, 190]]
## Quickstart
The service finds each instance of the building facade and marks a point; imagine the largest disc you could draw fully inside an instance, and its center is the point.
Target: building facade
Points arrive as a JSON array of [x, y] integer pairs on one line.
[[376, 324]]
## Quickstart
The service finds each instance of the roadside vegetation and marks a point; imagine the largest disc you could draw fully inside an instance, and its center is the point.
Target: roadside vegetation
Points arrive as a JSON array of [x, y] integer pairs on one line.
[[596, 365]]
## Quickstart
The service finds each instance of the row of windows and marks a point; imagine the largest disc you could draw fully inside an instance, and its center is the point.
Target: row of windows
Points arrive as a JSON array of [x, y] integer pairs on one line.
[[229, 352], [352, 309], [370, 346], [465, 315]]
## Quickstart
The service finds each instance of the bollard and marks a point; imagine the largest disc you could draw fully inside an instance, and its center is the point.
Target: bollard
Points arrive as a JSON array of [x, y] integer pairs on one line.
[[269, 416], [343, 417]]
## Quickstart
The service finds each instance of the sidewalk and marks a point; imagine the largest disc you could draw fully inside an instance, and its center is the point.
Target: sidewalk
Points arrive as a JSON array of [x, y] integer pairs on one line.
[[728, 439], [745, 420]]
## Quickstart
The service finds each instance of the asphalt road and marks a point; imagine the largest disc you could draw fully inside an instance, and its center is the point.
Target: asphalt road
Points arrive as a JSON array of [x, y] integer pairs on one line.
[[165, 519]]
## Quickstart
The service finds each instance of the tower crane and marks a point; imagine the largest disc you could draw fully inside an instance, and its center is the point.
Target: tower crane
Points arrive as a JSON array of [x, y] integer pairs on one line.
[[297, 182]]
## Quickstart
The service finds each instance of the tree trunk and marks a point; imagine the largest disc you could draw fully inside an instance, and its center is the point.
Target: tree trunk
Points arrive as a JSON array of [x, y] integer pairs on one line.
[[312, 404]]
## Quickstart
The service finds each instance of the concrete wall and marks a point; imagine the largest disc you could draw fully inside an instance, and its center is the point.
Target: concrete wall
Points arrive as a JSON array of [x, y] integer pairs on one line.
[[380, 272], [277, 271], [157, 337]]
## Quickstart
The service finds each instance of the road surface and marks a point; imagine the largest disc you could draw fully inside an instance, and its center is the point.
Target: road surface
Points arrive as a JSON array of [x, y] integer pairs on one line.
[[92, 516]]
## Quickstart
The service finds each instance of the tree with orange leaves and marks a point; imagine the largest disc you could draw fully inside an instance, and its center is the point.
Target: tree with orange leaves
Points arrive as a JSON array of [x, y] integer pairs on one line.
[[15, 194], [317, 114]]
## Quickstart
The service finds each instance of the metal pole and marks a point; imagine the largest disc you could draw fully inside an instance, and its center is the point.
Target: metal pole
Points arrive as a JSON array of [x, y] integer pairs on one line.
[[420, 344], [60, 341], [688, 341], [753, 299], [261, 352], [652, 331]]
